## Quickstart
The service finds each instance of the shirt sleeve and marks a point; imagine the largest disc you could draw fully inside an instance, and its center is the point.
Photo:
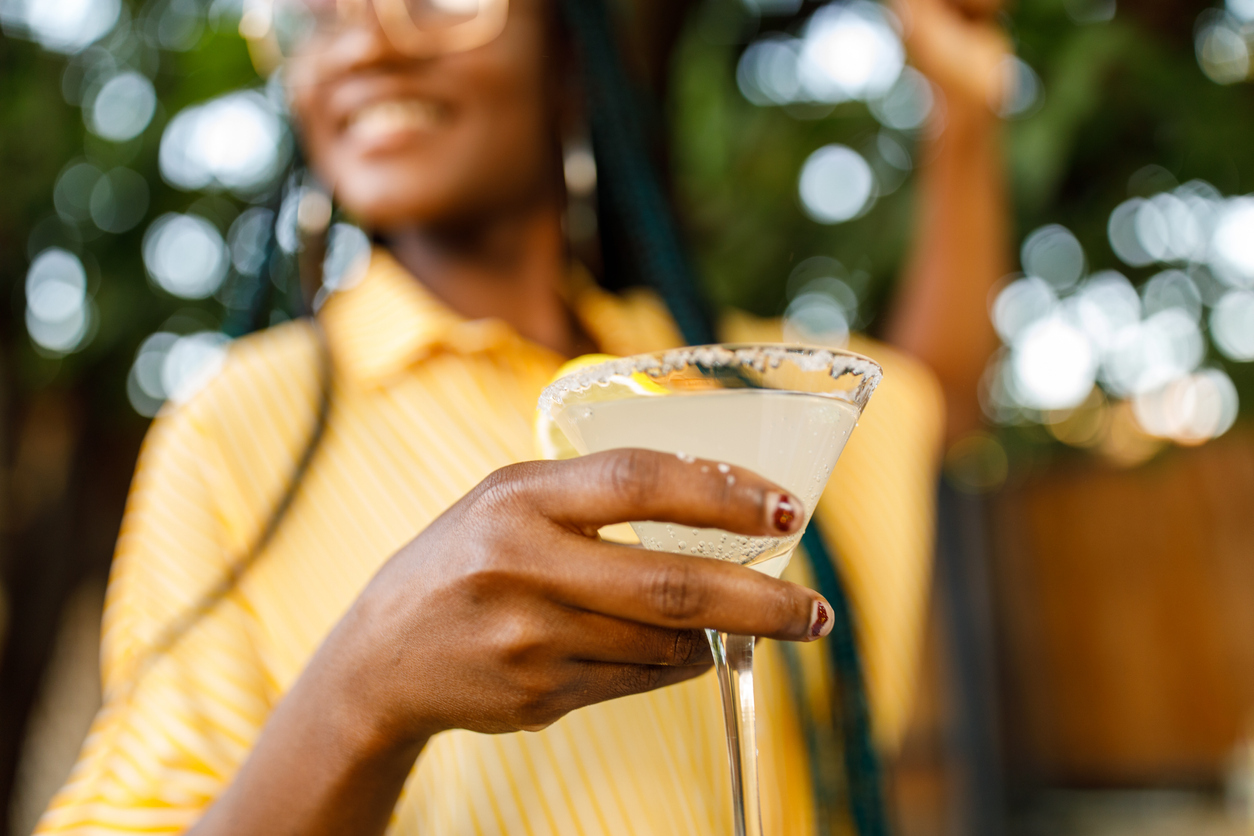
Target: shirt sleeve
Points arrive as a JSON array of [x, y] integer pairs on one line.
[[178, 719]]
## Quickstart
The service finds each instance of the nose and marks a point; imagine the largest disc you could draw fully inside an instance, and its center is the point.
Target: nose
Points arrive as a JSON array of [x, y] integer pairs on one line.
[[358, 41]]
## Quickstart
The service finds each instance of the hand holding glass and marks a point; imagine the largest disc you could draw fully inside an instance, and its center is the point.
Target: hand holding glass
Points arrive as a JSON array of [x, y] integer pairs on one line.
[[784, 412]]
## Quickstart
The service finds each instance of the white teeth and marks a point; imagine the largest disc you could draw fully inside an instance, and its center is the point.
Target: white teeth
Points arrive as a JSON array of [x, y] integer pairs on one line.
[[394, 116]]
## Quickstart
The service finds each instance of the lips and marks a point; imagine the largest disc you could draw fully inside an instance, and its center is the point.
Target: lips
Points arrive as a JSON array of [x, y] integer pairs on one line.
[[385, 119]]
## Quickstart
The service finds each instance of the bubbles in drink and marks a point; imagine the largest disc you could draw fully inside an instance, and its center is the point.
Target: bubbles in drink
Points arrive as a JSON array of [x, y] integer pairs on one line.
[[790, 438]]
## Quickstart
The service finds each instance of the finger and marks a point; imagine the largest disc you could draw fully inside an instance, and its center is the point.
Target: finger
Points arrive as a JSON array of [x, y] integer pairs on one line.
[[601, 638], [681, 592], [601, 681], [629, 485]]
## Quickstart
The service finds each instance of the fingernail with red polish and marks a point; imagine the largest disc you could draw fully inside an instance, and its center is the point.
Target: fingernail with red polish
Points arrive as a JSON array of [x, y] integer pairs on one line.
[[821, 621], [785, 514]]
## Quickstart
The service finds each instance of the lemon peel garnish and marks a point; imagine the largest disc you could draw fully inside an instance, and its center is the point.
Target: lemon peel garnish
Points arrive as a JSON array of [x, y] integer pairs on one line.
[[550, 442]]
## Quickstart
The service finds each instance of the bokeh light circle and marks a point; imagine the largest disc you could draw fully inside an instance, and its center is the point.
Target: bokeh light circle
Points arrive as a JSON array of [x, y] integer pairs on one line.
[[1022, 89], [816, 318], [348, 257], [1155, 351], [1054, 364], [65, 26], [1222, 50], [235, 142], [191, 363], [169, 367], [1020, 304], [119, 200], [836, 184], [56, 285], [1232, 246], [767, 71], [346, 262], [846, 51], [247, 238], [1167, 229], [72, 194], [907, 104], [850, 51], [123, 107], [63, 336], [185, 255], [1053, 253], [149, 361], [1172, 289], [1122, 232], [1190, 409], [58, 313], [1103, 306], [1242, 10], [1232, 325]]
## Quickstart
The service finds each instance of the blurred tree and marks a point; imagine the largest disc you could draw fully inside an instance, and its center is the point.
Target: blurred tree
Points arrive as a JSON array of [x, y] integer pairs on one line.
[[69, 434], [1118, 105]]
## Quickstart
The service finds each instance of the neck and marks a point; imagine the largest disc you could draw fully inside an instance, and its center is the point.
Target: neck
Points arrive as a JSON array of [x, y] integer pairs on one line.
[[509, 268]]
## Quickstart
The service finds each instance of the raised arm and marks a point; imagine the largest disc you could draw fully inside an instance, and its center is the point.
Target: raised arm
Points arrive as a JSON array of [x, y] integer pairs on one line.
[[960, 245]]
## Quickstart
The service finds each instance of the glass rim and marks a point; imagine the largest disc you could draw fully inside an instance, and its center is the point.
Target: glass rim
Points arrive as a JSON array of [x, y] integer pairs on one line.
[[837, 362]]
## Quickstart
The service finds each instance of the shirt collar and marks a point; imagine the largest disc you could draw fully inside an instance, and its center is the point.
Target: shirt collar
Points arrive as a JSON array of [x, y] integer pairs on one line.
[[389, 321]]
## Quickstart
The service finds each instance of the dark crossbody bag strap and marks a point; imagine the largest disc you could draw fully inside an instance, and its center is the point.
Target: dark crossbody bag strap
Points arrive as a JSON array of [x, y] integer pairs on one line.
[[213, 596], [851, 713]]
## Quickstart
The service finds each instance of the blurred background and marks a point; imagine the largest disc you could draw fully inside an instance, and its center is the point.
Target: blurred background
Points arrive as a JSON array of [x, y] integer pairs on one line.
[[1091, 664]]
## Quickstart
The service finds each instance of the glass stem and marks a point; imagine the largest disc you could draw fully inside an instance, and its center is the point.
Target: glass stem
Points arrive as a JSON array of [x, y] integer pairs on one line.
[[733, 660]]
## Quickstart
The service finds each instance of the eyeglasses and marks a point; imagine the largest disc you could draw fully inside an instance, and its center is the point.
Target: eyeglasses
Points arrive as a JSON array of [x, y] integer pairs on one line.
[[419, 28]]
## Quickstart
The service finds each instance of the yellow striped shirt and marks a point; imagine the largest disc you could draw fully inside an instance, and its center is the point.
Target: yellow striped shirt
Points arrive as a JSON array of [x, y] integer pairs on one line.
[[425, 405]]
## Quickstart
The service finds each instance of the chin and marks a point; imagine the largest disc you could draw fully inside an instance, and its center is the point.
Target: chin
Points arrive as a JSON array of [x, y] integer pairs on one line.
[[385, 196], [382, 198]]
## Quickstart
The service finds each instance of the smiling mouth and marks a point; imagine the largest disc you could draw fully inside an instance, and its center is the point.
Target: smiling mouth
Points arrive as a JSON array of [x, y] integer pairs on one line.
[[391, 117]]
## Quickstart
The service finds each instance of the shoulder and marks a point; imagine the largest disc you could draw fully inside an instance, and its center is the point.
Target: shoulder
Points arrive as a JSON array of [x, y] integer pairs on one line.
[[208, 475], [239, 434], [245, 419], [258, 379], [276, 357]]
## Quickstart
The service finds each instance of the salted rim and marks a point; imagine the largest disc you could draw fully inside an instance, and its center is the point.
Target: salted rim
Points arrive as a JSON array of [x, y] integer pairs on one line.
[[838, 364]]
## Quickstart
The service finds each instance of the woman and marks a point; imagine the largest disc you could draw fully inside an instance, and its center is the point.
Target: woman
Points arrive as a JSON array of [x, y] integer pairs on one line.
[[427, 592]]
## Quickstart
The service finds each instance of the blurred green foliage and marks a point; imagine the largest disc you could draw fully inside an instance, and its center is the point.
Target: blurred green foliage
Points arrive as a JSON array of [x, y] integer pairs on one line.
[[1118, 96], [736, 167], [41, 134]]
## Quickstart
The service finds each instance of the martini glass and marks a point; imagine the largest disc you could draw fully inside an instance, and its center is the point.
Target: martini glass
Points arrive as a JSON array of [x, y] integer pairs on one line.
[[784, 412]]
